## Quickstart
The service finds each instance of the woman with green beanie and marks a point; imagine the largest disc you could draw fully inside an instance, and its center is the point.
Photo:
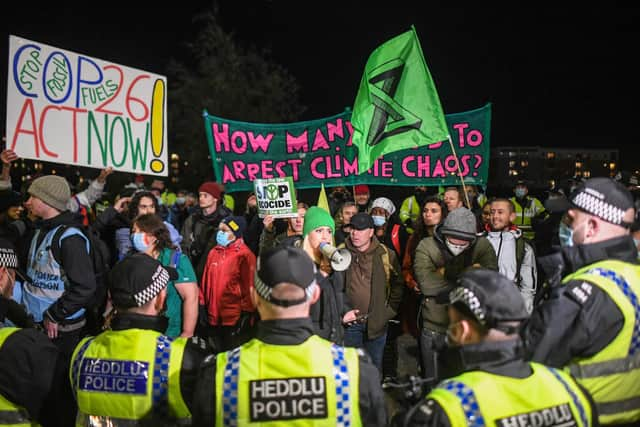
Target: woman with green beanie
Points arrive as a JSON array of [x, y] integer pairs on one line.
[[328, 312]]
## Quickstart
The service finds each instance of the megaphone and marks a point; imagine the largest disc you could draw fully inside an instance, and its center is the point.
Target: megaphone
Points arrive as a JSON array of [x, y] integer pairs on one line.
[[340, 258]]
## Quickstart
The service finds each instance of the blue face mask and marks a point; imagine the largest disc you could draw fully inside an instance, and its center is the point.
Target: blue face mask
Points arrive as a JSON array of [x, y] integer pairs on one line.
[[137, 239], [222, 238], [378, 220], [565, 234], [520, 192]]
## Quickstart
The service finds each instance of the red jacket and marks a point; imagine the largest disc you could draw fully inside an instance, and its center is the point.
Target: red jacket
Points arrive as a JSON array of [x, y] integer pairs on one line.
[[226, 281]]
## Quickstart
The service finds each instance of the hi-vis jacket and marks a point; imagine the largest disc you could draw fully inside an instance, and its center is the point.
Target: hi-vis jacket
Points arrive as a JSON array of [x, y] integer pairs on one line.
[[129, 377], [612, 375], [548, 397]]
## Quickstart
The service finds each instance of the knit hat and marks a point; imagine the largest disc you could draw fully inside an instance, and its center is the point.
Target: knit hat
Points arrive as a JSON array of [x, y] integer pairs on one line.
[[317, 217], [460, 224], [361, 189], [491, 297], [384, 203], [605, 198], [237, 224], [285, 264], [212, 188], [53, 190], [137, 279]]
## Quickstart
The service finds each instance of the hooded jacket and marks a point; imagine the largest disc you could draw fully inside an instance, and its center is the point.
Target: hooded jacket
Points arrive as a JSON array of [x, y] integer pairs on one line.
[[436, 269]]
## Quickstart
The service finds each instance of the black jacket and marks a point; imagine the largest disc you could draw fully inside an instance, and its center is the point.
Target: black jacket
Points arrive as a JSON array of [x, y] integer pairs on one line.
[[566, 326], [77, 265], [30, 369], [292, 332], [502, 358], [195, 351]]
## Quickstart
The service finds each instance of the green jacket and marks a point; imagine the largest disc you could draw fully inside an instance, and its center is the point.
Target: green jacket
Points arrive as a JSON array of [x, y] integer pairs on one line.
[[436, 270]]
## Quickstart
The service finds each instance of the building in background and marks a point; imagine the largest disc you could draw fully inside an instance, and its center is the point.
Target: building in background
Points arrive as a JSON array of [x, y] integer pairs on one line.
[[544, 167]]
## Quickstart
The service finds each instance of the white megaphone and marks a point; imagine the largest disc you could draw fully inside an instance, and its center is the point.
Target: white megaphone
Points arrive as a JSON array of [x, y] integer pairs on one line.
[[340, 258]]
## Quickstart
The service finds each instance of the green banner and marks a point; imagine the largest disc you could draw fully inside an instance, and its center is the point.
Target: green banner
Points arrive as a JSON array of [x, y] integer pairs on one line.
[[320, 151]]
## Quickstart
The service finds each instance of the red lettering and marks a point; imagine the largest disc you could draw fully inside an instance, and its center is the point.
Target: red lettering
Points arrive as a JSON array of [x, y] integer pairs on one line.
[[27, 107], [221, 137], [319, 142], [335, 130], [297, 143], [260, 142]]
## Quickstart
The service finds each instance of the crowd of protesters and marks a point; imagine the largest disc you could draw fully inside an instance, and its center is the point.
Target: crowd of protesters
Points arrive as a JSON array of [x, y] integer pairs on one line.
[[503, 293]]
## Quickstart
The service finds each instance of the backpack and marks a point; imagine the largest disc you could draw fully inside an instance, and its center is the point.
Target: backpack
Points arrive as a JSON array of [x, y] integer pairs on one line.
[[100, 257]]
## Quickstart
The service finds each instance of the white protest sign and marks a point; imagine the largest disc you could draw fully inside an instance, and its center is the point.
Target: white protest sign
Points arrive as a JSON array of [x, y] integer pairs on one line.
[[70, 108], [276, 197]]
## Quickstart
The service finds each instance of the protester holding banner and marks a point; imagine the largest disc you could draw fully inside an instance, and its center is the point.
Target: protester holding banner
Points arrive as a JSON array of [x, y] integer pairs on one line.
[[269, 238]]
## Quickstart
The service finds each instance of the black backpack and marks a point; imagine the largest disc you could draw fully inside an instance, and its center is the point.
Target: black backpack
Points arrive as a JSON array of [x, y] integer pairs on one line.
[[100, 256]]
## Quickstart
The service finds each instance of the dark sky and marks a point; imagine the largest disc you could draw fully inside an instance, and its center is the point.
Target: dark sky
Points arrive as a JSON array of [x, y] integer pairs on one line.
[[555, 76]]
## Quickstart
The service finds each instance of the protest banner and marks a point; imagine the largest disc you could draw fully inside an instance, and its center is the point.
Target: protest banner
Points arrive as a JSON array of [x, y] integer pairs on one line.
[[276, 197], [320, 151], [70, 108]]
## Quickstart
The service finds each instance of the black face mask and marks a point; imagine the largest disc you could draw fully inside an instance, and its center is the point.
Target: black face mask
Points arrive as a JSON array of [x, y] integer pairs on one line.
[[338, 196], [420, 196]]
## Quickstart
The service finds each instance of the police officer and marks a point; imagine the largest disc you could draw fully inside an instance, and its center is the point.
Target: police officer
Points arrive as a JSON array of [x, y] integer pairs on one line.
[[529, 210], [497, 387], [288, 374], [29, 361], [589, 324], [133, 374]]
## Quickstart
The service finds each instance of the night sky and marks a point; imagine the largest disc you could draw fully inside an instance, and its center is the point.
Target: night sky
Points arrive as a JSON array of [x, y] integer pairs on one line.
[[555, 76]]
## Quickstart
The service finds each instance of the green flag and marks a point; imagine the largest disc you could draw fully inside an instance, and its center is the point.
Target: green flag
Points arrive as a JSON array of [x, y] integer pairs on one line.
[[397, 106]]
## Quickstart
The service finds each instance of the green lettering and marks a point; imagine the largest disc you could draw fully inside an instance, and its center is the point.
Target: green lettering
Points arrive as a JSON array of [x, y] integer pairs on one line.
[[137, 153], [93, 126], [118, 119]]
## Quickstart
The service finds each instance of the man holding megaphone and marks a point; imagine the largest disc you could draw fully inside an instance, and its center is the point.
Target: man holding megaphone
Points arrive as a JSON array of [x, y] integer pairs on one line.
[[374, 287]]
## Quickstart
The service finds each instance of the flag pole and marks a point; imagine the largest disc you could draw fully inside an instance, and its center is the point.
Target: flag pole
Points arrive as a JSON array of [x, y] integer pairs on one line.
[[464, 187]]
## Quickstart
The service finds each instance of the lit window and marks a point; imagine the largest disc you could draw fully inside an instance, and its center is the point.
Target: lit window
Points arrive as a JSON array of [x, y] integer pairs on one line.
[[513, 172], [578, 165], [551, 155], [512, 153], [586, 174], [524, 163], [512, 163]]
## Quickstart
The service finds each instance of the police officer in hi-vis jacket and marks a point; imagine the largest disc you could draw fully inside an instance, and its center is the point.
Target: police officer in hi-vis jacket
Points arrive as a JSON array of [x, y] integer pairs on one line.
[[497, 387], [133, 375], [288, 374], [590, 324]]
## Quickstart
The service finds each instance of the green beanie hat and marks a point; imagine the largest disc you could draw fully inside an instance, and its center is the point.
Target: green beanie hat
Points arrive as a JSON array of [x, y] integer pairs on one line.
[[317, 217]]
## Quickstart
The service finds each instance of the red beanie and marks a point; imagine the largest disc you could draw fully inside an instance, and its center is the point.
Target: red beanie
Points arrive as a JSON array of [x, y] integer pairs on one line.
[[361, 189], [212, 188]]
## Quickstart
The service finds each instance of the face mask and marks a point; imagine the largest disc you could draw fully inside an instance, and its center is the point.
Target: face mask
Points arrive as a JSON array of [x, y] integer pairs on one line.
[[456, 249], [565, 234], [520, 192], [378, 220], [180, 200], [138, 242], [222, 238], [159, 199], [573, 233], [636, 242]]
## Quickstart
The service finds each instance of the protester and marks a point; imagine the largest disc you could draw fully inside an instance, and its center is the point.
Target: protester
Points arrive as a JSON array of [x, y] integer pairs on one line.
[[150, 236], [453, 198], [516, 256], [374, 287], [224, 295], [342, 386], [342, 219], [438, 263], [362, 197]]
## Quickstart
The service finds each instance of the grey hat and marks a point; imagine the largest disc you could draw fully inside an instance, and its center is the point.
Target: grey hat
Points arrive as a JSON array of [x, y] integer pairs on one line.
[[53, 190], [460, 224]]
